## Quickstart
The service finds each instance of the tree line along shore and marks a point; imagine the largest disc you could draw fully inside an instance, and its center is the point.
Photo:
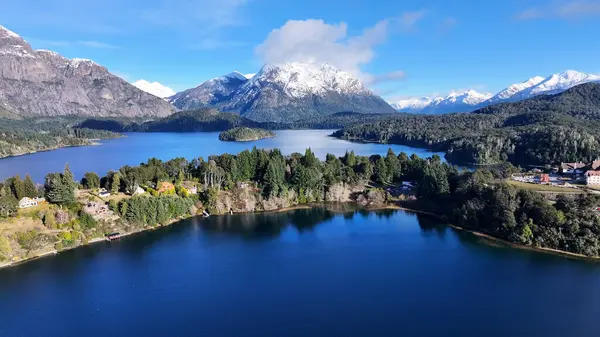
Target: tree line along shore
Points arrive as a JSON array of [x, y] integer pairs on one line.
[[67, 214]]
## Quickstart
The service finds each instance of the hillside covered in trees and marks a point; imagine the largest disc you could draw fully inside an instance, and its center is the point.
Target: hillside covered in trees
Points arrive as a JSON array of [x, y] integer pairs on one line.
[[539, 131], [20, 136]]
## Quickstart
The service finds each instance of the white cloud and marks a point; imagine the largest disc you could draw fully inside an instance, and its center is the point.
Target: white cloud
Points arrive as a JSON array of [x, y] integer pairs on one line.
[[448, 24], [570, 10], [208, 14], [315, 41], [408, 20], [154, 88]]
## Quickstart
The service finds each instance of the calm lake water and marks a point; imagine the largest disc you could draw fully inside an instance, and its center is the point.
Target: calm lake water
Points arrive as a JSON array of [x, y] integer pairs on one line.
[[139, 147], [301, 273]]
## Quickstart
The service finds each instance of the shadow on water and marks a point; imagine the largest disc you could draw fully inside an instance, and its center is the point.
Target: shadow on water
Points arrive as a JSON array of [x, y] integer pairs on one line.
[[271, 225]]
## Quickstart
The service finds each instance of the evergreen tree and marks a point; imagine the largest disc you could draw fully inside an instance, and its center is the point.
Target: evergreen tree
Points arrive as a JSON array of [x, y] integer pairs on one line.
[[8, 202], [274, 180], [115, 183], [246, 166], [90, 180], [309, 159], [69, 180], [350, 159], [381, 173], [17, 187], [393, 165], [59, 189], [29, 187]]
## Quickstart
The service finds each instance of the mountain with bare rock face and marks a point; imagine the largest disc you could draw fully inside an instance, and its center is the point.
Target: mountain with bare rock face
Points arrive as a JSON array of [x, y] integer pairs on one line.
[[283, 93], [44, 83]]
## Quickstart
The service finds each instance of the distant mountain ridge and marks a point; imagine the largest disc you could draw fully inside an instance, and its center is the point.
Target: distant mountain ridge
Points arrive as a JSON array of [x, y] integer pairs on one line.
[[286, 92], [44, 83], [472, 100]]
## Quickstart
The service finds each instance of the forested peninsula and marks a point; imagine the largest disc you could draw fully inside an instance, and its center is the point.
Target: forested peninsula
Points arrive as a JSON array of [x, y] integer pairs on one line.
[[63, 214], [24, 136]]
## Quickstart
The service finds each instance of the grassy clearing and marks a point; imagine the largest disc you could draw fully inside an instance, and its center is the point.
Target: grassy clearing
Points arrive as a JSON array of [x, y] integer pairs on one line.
[[543, 188]]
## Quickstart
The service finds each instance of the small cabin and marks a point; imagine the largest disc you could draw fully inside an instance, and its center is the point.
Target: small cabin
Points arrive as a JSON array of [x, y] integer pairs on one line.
[[30, 202], [103, 193]]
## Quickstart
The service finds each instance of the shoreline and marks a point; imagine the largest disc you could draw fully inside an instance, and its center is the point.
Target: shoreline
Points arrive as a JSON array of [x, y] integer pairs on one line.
[[92, 142], [392, 206], [509, 244]]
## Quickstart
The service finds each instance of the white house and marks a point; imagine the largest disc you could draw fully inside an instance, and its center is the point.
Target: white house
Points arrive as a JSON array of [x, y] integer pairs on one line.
[[103, 193], [138, 190], [30, 202], [592, 177]]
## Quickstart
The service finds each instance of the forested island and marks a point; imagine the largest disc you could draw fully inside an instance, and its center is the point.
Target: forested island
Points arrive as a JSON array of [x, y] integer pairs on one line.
[[245, 134], [64, 214]]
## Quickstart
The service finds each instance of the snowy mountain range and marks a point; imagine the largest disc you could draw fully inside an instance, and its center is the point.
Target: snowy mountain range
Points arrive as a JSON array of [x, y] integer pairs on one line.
[[471, 100], [284, 92]]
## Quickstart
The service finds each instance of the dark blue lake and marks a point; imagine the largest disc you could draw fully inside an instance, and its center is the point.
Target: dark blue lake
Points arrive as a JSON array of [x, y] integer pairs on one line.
[[319, 272], [139, 147]]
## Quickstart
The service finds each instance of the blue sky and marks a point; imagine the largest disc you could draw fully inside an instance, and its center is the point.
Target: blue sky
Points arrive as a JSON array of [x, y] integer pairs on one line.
[[400, 48]]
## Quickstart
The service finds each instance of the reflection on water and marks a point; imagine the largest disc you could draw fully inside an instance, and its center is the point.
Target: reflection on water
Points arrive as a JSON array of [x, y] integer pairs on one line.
[[139, 147], [332, 270], [256, 225]]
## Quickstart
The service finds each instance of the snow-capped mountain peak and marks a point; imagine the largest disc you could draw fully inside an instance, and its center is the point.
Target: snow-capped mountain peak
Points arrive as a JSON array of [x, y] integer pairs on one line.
[[301, 79], [12, 43], [7, 33], [562, 81], [512, 90], [235, 75], [284, 92], [412, 104], [154, 88], [471, 100]]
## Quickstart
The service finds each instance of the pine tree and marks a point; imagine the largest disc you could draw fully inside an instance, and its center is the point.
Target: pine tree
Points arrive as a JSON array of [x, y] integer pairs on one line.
[[8, 202], [115, 184], [309, 159], [59, 189], [68, 177], [90, 180], [382, 174], [393, 166], [29, 187], [17, 187], [274, 178]]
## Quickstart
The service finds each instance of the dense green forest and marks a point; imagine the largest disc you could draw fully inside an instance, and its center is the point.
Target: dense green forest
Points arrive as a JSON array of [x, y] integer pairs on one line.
[[205, 120], [539, 131], [19, 136], [200, 120], [478, 200], [244, 134]]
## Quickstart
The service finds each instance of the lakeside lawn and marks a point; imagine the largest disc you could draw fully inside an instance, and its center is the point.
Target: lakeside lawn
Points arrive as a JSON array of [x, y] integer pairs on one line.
[[543, 188]]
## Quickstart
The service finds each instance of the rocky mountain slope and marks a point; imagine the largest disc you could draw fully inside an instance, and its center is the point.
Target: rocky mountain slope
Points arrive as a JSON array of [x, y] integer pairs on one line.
[[44, 83], [535, 86], [210, 93], [286, 92]]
